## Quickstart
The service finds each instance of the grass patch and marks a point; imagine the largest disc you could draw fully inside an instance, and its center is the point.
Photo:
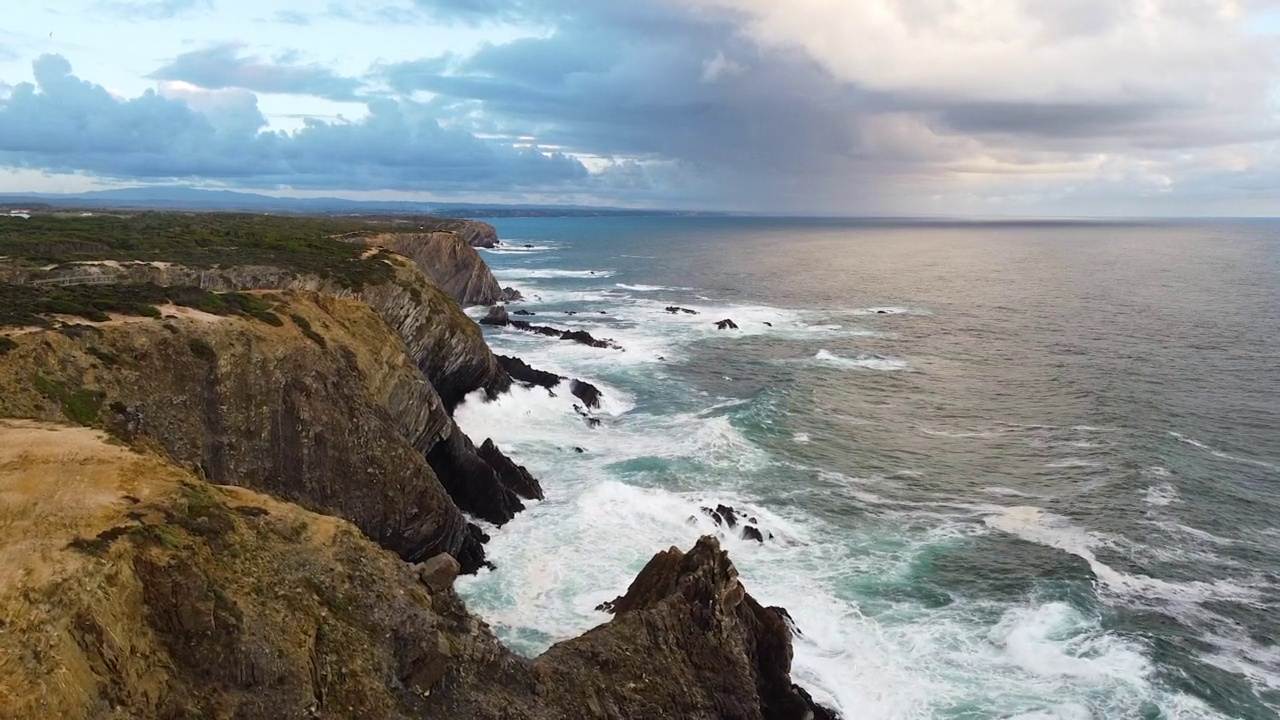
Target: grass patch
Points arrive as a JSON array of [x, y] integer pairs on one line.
[[81, 406], [202, 350], [31, 305], [105, 357], [308, 245], [307, 330]]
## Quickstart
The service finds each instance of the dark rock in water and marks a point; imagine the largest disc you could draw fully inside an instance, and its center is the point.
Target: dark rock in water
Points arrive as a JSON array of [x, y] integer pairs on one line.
[[528, 245], [570, 312], [475, 486], [471, 555], [604, 312], [496, 316], [579, 450], [510, 294], [592, 422], [514, 477], [818, 712], [584, 337], [768, 323], [726, 324], [882, 312], [524, 313], [520, 371], [661, 358], [727, 516], [578, 336], [674, 309], [586, 392], [699, 589]]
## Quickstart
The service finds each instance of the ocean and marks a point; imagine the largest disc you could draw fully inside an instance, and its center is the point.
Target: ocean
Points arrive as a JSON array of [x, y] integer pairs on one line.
[[1011, 469]]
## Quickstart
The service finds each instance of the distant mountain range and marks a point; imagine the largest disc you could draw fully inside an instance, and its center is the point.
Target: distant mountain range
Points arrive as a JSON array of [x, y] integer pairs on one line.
[[176, 197]]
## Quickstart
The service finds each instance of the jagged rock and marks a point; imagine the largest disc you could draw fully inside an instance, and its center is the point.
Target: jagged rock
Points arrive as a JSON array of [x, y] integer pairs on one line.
[[728, 517], [514, 477], [584, 337], [726, 324], [496, 316], [525, 313], [578, 336], [520, 371], [675, 309], [688, 614], [439, 572], [579, 450], [510, 294], [586, 392], [474, 484]]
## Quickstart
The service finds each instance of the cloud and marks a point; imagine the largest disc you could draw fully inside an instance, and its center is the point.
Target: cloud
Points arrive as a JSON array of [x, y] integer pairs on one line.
[[67, 125], [155, 9], [875, 106], [292, 17], [223, 66]]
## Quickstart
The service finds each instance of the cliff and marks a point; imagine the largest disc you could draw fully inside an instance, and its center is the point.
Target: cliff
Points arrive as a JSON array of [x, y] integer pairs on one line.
[[449, 261], [328, 410], [130, 588]]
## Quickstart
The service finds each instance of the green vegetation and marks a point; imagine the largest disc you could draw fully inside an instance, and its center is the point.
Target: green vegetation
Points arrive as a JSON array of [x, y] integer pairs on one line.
[[81, 406], [31, 305], [105, 357], [307, 245], [305, 327], [202, 350]]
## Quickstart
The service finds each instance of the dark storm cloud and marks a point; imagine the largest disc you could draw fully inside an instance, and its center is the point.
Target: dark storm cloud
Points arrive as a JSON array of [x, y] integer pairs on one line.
[[64, 124], [155, 9], [223, 66]]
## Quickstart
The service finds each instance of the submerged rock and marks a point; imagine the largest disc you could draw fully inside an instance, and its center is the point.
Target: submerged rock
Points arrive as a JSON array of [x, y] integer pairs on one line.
[[525, 313], [675, 309], [726, 324]]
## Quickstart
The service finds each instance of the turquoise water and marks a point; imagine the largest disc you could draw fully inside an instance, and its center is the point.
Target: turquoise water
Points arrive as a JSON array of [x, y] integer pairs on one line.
[[1011, 470]]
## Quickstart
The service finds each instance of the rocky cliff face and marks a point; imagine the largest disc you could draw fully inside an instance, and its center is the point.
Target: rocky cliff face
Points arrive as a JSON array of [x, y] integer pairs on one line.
[[327, 411], [446, 345], [449, 261], [132, 588]]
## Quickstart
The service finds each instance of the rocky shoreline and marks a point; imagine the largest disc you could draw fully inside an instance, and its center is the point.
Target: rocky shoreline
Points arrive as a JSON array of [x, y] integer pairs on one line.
[[333, 410]]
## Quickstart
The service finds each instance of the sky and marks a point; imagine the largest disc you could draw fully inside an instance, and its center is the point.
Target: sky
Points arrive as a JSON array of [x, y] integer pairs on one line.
[[834, 107]]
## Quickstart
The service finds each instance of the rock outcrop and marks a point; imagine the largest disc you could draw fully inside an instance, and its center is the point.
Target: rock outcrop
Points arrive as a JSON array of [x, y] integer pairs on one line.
[[726, 324], [450, 261]]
